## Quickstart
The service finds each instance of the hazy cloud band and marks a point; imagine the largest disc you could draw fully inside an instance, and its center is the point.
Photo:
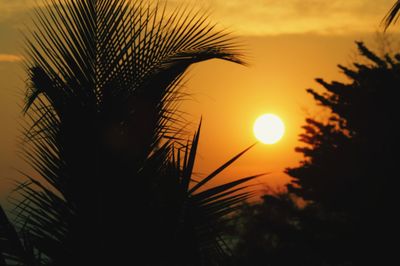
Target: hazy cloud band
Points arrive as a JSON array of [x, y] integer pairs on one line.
[[10, 58]]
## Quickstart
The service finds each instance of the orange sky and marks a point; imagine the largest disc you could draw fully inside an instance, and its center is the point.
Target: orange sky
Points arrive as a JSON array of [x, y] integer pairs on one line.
[[288, 44], [230, 97]]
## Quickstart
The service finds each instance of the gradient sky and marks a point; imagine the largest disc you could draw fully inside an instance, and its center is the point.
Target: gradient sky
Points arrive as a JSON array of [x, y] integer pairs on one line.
[[288, 44]]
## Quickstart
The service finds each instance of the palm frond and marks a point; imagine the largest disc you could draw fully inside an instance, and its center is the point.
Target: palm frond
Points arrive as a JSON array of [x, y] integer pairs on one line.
[[219, 170], [104, 79], [14, 250], [392, 16], [202, 214]]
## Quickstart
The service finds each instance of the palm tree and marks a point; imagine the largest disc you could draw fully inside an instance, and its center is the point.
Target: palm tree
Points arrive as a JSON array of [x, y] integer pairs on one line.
[[112, 181], [392, 16]]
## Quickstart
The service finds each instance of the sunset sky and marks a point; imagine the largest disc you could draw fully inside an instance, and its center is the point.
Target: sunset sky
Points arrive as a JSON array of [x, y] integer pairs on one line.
[[287, 45]]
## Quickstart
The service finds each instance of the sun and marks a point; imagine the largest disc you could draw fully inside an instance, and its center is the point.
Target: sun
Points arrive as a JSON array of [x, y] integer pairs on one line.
[[268, 128]]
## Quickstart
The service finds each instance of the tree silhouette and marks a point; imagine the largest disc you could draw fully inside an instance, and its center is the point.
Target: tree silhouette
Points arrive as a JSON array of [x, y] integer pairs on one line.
[[112, 181], [350, 158], [274, 232], [347, 178], [349, 154]]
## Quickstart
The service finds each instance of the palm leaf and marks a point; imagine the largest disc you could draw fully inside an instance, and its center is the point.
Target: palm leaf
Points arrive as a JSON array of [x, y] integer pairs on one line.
[[13, 249], [392, 16], [202, 214], [100, 107], [219, 170]]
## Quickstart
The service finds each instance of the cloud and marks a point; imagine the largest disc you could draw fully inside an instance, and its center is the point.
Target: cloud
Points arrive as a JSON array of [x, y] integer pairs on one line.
[[9, 8], [10, 58], [271, 17]]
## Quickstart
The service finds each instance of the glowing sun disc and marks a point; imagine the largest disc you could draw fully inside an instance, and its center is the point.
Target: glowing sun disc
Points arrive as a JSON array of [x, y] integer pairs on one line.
[[268, 128]]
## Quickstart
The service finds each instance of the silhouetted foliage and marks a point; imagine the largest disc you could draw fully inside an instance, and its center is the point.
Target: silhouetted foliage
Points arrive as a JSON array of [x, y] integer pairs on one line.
[[347, 178], [352, 153], [113, 178], [271, 233], [349, 165]]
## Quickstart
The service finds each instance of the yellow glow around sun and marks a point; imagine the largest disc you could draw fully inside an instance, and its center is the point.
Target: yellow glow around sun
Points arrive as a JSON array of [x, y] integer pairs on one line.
[[269, 128]]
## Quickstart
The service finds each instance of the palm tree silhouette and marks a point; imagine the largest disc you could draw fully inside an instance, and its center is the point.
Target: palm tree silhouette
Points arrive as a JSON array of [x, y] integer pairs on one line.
[[112, 181]]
